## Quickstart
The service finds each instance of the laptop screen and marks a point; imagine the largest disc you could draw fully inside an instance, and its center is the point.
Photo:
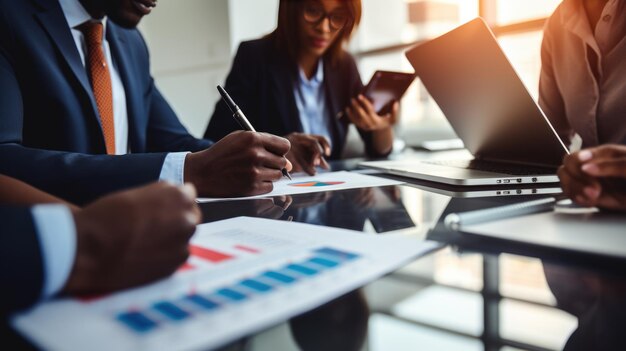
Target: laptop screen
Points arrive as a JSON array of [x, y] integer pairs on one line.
[[490, 109]]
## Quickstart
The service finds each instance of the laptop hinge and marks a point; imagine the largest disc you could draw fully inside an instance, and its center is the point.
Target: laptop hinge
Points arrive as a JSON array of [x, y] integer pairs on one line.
[[513, 162]]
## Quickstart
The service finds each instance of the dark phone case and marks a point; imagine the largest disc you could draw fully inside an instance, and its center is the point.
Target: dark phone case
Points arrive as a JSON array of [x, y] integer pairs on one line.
[[385, 88]]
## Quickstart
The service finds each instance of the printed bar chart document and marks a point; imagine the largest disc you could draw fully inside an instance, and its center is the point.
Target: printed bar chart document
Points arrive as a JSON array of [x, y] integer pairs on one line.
[[243, 275], [326, 181]]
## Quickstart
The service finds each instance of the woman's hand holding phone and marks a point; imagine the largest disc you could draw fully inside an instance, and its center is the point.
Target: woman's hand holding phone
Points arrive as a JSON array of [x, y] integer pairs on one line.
[[361, 113]]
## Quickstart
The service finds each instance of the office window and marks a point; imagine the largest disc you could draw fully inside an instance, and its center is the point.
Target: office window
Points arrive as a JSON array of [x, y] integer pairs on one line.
[[387, 30], [392, 22], [515, 11]]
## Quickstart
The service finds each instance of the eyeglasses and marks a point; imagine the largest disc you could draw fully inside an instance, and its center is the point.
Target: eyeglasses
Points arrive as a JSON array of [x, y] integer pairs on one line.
[[315, 14]]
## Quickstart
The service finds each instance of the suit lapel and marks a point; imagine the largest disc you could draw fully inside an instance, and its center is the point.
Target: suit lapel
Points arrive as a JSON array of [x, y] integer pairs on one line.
[[53, 22], [121, 55], [282, 76], [332, 84]]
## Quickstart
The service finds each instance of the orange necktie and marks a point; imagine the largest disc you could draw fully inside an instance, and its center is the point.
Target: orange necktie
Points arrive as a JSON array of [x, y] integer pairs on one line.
[[100, 81]]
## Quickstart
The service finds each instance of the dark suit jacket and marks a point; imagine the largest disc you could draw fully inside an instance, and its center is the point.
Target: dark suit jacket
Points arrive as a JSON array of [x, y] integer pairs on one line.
[[21, 266], [50, 134], [261, 82]]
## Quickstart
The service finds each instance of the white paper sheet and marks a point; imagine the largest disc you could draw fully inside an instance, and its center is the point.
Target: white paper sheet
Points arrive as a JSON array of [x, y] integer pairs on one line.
[[225, 254], [328, 181]]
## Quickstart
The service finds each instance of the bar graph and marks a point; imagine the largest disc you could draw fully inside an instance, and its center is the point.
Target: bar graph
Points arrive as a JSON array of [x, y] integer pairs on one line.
[[247, 249], [208, 254], [162, 313], [230, 245], [227, 246], [243, 274]]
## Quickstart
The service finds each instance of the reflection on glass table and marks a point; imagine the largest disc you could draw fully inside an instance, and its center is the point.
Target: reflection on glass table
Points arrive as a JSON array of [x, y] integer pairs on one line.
[[596, 300], [468, 299], [381, 209], [338, 325], [478, 297]]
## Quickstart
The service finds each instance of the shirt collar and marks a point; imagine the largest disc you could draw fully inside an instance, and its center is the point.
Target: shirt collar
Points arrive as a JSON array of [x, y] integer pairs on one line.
[[317, 78], [574, 19], [75, 14], [573, 13], [319, 75]]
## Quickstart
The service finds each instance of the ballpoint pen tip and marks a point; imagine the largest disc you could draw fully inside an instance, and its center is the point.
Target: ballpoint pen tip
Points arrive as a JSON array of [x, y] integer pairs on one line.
[[286, 173]]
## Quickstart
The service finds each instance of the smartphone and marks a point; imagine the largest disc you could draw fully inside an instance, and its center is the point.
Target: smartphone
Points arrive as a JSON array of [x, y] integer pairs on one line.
[[385, 88]]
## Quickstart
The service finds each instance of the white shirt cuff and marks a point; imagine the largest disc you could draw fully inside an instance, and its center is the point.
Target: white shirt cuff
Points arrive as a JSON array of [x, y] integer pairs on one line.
[[57, 239], [173, 168]]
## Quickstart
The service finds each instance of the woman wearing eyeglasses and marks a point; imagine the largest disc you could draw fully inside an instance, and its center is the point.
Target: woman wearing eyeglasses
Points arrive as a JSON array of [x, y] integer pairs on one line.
[[300, 83]]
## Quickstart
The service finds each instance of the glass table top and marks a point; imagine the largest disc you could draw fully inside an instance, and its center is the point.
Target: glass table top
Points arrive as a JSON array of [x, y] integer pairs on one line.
[[472, 295]]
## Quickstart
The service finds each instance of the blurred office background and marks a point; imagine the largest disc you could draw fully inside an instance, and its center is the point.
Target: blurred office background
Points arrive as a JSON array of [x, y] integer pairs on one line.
[[192, 43]]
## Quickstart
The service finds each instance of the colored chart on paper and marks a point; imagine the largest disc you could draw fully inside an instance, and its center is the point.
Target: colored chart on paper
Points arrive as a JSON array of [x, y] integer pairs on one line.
[[243, 275], [314, 183], [161, 313], [230, 245], [321, 182]]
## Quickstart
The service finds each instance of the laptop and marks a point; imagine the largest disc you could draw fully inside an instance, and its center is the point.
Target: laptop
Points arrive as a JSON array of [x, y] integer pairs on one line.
[[486, 191], [489, 108]]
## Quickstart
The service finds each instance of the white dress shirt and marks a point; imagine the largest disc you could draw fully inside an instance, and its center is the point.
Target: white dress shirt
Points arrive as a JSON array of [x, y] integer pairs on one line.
[[311, 102], [75, 15], [57, 240]]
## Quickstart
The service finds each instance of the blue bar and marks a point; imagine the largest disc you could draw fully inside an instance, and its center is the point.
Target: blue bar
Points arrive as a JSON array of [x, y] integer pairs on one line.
[[283, 278], [302, 269], [170, 310], [256, 285], [231, 294], [344, 256], [137, 321], [202, 302], [324, 262]]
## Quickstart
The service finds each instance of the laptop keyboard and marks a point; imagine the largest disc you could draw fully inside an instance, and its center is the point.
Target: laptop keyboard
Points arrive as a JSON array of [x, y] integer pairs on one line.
[[496, 167]]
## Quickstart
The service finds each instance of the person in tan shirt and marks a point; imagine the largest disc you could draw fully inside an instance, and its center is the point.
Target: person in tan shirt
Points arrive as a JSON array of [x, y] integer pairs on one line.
[[582, 87], [582, 90]]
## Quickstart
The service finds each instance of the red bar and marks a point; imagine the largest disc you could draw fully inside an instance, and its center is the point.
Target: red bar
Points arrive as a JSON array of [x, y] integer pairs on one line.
[[208, 254], [91, 298], [246, 249], [185, 267]]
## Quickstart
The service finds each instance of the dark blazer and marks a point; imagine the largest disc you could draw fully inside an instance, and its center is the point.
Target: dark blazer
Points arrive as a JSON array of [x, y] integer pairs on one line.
[[21, 266], [261, 82], [50, 134]]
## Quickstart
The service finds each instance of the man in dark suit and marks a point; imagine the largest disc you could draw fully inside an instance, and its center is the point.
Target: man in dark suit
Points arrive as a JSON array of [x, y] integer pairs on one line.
[[80, 115], [122, 240]]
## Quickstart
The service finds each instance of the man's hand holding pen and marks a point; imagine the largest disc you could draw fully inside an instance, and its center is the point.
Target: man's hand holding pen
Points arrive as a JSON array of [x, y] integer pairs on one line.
[[241, 164], [242, 120]]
